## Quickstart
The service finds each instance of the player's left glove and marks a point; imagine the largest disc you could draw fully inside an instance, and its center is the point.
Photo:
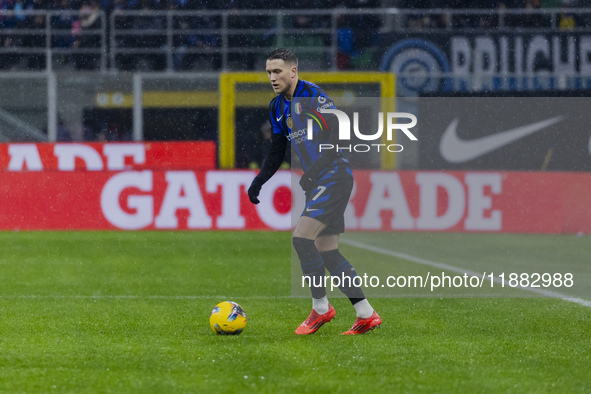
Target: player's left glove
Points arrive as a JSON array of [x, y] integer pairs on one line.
[[254, 190]]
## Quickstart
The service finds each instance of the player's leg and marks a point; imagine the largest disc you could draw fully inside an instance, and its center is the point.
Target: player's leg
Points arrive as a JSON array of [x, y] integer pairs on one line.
[[304, 234], [339, 266], [327, 203], [308, 228]]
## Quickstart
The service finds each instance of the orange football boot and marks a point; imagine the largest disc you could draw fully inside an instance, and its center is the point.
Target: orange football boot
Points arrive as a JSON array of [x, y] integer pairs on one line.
[[362, 326], [315, 321]]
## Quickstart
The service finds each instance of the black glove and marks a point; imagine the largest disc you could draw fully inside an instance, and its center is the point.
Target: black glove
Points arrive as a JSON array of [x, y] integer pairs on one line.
[[254, 190], [308, 182]]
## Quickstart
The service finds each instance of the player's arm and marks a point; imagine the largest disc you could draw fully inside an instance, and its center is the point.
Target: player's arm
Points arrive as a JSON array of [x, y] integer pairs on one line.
[[271, 163], [270, 166]]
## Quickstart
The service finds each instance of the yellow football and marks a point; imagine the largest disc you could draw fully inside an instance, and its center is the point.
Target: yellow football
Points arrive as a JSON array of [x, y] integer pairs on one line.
[[227, 318]]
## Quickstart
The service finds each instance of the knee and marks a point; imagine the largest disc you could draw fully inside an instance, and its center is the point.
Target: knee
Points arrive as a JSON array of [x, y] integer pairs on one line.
[[302, 244], [327, 243]]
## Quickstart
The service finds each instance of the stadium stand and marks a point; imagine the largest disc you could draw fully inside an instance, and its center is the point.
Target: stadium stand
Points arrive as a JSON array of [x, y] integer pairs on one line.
[[181, 35]]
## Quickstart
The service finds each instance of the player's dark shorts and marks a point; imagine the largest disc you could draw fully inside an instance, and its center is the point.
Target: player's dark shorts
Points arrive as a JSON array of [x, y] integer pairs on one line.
[[328, 201]]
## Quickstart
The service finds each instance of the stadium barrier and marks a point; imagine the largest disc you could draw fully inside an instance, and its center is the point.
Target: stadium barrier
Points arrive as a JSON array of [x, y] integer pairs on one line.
[[66, 197], [96, 156]]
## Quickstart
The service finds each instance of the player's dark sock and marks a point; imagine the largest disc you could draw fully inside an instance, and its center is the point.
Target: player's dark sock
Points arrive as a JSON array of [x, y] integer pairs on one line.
[[312, 265], [339, 266]]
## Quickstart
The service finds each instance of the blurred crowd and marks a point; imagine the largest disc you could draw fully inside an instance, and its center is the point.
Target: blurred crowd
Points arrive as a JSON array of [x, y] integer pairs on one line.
[[520, 15], [77, 35], [114, 5]]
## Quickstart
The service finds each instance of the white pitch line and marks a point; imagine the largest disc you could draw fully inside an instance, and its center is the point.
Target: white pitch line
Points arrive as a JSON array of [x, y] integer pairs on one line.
[[140, 297], [448, 267]]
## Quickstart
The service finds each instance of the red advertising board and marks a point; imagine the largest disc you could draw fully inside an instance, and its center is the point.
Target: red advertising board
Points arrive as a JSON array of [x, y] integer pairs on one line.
[[515, 202], [97, 156], [133, 200]]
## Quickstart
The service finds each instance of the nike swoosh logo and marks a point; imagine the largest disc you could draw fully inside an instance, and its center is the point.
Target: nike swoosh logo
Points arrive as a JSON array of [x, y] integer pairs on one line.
[[455, 150], [311, 210], [279, 118]]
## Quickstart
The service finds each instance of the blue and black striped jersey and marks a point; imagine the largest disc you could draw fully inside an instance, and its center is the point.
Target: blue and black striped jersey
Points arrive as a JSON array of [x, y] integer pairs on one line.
[[307, 100]]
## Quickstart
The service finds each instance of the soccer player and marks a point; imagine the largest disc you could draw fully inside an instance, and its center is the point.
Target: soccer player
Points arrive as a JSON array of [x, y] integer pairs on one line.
[[327, 182]]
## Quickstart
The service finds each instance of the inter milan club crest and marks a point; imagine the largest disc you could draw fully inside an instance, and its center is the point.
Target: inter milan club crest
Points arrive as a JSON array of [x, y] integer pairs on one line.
[[289, 122]]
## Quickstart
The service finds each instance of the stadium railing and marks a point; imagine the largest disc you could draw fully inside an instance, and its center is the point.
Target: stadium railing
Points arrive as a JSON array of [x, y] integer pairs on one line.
[[238, 40], [47, 40], [233, 40]]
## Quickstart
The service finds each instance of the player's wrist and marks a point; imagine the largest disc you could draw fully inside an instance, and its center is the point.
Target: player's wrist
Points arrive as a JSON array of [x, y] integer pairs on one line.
[[257, 182]]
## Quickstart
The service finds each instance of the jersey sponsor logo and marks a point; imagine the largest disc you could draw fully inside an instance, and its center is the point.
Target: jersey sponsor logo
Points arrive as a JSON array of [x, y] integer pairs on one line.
[[297, 136], [321, 99], [325, 106], [455, 150]]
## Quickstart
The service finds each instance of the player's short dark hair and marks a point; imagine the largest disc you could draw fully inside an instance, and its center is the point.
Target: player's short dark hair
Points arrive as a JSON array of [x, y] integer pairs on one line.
[[284, 54]]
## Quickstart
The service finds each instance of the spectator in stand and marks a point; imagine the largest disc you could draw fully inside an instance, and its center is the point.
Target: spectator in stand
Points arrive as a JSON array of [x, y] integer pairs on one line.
[[151, 42], [119, 5], [485, 19], [569, 20], [89, 19], [8, 60], [238, 41], [195, 40], [356, 34], [531, 19], [36, 5], [365, 26], [6, 5], [584, 19], [422, 20], [346, 46], [62, 21], [36, 41]]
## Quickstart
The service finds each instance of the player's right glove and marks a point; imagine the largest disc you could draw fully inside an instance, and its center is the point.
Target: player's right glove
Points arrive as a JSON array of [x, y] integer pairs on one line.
[[307, 182], [254, 190], [309, 179]]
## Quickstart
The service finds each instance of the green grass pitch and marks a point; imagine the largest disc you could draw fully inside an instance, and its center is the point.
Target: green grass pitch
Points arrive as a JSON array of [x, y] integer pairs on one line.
[[128, 312]]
